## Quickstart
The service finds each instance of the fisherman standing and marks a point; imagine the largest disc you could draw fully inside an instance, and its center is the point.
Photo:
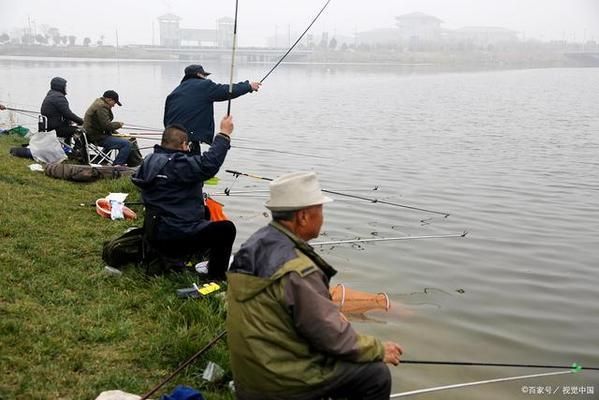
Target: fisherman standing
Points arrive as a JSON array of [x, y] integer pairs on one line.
[[55, 108], [191, 104], [287, 339]]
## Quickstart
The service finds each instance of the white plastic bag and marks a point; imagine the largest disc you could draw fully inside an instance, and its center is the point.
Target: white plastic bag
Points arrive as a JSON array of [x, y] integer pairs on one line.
[[46, 148]]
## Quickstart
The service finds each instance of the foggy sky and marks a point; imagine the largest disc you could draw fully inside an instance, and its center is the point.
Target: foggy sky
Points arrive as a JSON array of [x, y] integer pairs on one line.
[[571, 20]]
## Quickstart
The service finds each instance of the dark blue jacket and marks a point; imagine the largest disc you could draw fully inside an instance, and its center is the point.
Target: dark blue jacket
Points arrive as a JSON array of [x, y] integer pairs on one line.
[[191, 105], [171, 185], [56, 108]]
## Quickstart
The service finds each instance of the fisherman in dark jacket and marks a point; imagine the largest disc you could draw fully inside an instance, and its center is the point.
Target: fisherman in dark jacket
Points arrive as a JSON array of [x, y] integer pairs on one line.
[[191, 103], [100, 127], [171, 181], [55, 108]]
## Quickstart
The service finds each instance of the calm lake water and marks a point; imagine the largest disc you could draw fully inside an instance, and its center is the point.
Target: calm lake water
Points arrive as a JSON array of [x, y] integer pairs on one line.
[[513, 156]]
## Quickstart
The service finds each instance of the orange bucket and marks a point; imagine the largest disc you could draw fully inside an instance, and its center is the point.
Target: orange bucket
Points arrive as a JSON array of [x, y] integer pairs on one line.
[[103, 208]]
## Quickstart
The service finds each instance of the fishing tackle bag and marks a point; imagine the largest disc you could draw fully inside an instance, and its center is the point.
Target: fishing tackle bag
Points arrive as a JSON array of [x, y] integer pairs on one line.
[[84, 173], [125, 249]]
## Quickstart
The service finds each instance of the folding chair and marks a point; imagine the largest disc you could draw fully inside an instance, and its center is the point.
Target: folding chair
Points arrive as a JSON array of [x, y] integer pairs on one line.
[[42, 123], [158, 258], [91, 153]]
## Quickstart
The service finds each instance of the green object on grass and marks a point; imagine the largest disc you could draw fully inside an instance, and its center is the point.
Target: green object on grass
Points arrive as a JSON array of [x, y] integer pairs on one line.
[[212, 181], [17, 130]]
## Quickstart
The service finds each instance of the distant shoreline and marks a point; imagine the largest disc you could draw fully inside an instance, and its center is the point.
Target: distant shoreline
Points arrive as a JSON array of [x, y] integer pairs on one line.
[[518, 58]]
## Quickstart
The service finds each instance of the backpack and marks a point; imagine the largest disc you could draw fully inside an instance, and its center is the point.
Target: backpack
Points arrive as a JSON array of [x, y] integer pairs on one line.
[[125, 249]]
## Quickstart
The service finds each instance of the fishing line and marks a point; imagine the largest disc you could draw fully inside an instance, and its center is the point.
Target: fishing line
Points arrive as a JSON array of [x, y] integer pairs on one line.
[[296, 42], [370, 199], [233, 59]]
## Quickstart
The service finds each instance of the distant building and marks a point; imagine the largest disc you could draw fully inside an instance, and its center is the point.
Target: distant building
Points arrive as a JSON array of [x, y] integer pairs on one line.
[[419, 27], [172, 35], [169, 30], [378, 37], [482, 36]]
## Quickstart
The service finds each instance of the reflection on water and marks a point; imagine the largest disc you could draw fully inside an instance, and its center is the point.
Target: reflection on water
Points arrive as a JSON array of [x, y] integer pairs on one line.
[[511, 155]]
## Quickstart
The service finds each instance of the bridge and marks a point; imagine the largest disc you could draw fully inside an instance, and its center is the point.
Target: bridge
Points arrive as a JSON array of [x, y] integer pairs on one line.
[[586, 58], [243, 54]]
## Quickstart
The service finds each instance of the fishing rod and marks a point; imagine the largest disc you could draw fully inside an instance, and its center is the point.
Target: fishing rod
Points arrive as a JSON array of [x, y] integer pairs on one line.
[[233, 59], [460, 385], [277, 151], [296, 42], [138, 136], [154, 131], [454, 235], [21, 110], [185, 364], [353, 196], [267, 190], [575, 366]]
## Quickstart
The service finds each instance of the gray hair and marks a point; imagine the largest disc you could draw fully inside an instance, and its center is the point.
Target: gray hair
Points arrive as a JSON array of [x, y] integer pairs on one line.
[[283, 215]]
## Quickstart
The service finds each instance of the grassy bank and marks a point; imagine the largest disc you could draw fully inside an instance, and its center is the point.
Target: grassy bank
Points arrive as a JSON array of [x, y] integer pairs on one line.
[[68, 330]]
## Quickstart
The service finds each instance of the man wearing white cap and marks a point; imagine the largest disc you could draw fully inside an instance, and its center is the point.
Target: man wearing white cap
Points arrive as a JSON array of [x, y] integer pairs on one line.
[[287, 339]]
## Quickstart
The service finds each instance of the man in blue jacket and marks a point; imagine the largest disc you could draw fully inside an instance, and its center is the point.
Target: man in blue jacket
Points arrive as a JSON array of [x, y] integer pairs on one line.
[[171, 181], [191, 104]]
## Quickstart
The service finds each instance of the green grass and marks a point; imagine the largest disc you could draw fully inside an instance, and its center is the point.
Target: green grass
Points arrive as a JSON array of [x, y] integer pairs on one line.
[[68, 330]]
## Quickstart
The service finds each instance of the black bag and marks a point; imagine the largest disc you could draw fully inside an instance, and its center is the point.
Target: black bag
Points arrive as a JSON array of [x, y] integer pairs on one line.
[[135, 158], [126, 249]]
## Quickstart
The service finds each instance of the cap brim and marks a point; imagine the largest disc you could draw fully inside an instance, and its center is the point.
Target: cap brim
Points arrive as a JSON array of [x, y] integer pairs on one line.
[[119, 103]]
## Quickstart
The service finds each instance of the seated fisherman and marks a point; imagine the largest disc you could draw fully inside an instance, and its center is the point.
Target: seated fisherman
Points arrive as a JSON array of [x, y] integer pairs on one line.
[[100, 128], [171, 181], [55, 108], [287, 339]]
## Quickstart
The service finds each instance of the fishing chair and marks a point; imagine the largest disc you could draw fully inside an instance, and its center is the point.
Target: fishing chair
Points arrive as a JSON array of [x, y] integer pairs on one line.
[[91, 153], [158, 258]]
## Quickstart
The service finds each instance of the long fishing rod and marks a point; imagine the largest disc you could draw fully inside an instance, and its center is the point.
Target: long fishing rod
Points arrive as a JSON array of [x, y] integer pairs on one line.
[[461, 385], [233, 58], [185, 364], [331, 242], [277, 151], [267, 190], [575, 366], [353, 196], [143, 128], [21, 110], [296, 42]]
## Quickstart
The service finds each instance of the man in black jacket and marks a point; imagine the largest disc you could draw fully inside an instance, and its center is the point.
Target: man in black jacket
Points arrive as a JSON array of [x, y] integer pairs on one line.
[[55, 108], [171, 181], [191, 104]]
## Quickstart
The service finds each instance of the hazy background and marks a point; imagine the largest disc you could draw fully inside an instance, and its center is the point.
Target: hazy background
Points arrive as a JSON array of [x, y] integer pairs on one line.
[[571, 20]]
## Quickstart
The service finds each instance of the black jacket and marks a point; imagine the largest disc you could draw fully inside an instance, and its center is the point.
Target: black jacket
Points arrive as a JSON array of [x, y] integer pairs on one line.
[[191, 105], [55, 106], [171, 185]]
